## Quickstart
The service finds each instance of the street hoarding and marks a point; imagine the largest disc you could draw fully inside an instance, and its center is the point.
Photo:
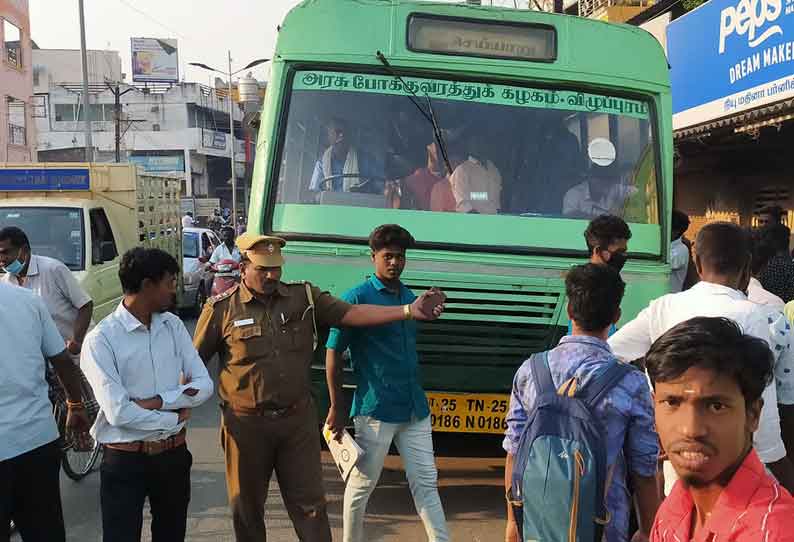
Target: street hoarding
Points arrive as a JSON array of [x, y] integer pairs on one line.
[[730, 56], [155, 60], [160, 164]]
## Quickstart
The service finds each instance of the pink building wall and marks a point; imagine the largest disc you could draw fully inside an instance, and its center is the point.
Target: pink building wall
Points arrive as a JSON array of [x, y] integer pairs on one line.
[[16, 85]]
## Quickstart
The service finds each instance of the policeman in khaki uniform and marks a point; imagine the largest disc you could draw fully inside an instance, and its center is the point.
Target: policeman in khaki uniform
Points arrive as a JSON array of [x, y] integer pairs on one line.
[[264, 332]]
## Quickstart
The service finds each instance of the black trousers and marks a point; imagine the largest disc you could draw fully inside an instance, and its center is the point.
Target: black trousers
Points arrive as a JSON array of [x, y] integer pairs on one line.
[[128, 478], [31, 495]]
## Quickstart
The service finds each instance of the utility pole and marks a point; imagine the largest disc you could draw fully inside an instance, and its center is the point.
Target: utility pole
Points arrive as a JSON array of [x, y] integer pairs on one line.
[[117, 94], [231, 147], [89, 144], [117, 118]]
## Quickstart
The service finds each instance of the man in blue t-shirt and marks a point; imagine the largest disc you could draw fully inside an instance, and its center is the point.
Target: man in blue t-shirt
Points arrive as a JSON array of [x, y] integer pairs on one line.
[[389, 403]]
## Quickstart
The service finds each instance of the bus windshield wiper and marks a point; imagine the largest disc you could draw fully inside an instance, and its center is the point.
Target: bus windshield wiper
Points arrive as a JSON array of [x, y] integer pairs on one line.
[[429, 115]]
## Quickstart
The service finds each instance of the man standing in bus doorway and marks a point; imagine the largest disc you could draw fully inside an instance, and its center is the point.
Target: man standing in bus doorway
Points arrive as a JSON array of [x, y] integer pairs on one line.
[[389, 404], [264, 332]]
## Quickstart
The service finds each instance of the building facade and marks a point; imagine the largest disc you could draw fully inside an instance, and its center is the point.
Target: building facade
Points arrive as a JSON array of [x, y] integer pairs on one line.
[[17, 130], [180, 128]]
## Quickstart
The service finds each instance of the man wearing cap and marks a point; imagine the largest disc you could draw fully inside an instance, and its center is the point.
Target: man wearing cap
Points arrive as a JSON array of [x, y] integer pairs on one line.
[[265, 332]]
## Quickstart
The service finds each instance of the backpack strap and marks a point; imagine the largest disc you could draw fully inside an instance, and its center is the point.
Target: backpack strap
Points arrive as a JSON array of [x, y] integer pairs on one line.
[[595, 390], [541, 373]]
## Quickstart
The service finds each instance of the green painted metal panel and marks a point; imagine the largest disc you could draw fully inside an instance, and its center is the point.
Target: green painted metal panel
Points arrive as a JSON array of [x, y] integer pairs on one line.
[[523, 276]]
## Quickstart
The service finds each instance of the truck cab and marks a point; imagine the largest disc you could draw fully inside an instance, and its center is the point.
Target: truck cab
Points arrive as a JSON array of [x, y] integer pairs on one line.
[[88, 215]]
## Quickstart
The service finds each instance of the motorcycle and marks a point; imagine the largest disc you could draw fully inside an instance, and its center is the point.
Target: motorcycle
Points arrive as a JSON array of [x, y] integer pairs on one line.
[[227, 274]]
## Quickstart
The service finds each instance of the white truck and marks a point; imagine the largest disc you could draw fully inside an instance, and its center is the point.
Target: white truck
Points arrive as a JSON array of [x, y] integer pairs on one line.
[[88, 215]]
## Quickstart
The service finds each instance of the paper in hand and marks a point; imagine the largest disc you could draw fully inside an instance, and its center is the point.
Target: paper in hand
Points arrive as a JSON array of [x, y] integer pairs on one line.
[[346, 453]]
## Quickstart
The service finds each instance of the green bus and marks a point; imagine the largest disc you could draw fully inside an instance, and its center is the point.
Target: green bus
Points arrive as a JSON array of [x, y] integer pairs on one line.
[[493, 135]]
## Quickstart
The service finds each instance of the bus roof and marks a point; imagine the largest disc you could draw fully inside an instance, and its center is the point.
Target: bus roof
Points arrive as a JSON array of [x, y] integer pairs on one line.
[[351, 32]]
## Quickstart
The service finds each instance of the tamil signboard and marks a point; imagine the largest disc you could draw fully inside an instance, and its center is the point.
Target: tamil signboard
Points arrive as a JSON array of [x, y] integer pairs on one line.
[[155, 60], [729, 56]]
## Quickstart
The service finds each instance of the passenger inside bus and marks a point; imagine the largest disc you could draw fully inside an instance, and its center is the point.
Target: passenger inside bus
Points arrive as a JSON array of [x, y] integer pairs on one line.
[[549, 164], [475, 185], [414, 191], [344, 168], [602, 192]]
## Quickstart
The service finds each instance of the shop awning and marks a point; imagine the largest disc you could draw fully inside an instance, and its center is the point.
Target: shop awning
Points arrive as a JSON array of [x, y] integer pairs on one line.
[[746, 121]]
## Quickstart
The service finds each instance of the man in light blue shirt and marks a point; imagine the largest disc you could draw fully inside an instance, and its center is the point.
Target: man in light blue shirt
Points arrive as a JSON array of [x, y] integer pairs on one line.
[[595, 293], [29, 451], [146, 376]]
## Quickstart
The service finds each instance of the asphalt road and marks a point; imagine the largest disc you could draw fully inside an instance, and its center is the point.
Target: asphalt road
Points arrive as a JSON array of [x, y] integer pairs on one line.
[[470, 484]]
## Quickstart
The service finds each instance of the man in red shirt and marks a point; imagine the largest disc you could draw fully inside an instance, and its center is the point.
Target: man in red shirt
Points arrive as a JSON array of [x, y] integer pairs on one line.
[[708, 378]]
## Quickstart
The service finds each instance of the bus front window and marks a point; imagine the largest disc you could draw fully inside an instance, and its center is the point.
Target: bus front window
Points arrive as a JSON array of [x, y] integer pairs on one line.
[[359, 141]]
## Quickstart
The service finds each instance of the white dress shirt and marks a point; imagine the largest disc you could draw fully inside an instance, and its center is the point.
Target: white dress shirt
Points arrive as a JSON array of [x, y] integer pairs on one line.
[[633, 340], [222, 252], [757, 294], [123, 361], [29, 336], [188, 222], [679, 262], [51, 280]]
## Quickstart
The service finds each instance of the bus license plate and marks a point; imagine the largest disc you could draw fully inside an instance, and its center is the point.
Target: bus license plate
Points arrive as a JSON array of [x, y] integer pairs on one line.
[[468, 412]]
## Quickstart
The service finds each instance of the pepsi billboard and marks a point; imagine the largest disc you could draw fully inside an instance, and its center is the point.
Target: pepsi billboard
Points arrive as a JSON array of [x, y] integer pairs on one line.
[[730, 56]]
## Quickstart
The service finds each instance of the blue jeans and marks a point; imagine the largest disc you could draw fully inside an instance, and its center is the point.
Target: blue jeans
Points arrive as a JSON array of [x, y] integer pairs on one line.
[[414, 441]]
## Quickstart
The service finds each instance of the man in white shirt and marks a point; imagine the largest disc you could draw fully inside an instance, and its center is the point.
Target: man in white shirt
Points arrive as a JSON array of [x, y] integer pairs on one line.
[[69, 305], [147, 376], [723, 263], [679, 252], [30, 456], [227, 250], [187, 220], [602, 193]]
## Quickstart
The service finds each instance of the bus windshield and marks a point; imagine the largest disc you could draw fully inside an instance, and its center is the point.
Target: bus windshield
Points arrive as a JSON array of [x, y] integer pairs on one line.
[[56, 232], [360, 142]]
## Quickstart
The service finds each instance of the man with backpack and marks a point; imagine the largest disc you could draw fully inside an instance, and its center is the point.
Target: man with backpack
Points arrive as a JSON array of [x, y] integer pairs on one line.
[[579, 428]]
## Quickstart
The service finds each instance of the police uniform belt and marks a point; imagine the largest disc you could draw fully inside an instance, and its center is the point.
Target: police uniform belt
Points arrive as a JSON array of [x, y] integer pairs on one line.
[[267, 411]]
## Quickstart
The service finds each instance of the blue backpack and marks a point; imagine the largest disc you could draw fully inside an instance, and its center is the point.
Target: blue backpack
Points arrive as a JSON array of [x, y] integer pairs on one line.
[[560, 469]]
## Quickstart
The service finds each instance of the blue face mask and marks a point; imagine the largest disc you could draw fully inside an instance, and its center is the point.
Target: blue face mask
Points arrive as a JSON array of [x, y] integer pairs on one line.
[[14, 267]]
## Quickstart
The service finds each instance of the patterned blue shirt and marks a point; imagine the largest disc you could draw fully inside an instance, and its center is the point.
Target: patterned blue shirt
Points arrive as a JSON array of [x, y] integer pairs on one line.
[[627, 409], [385, 363]]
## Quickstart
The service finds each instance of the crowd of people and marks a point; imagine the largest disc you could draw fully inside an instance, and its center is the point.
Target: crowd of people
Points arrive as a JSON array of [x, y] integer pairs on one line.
[[453, 173], [677, 425]]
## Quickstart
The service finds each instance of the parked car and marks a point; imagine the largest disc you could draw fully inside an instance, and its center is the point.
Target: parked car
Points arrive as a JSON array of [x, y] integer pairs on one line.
[[197, 247]]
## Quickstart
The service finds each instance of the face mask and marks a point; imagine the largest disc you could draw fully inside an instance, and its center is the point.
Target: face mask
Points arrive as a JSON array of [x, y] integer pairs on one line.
[[14, 267], [617, 260]]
